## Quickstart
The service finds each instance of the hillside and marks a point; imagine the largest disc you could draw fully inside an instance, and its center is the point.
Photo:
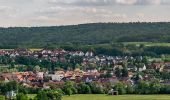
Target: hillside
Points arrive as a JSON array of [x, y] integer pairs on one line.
[[97, 33]]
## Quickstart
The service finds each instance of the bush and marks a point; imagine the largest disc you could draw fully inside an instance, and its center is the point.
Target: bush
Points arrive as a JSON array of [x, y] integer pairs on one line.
[[21, 96]]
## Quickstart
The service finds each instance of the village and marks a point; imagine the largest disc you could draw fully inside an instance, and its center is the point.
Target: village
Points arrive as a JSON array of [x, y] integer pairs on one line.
[[93, 68]]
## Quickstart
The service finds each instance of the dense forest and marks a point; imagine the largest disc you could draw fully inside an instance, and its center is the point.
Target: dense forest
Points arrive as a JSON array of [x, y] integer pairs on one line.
[[96, 33]]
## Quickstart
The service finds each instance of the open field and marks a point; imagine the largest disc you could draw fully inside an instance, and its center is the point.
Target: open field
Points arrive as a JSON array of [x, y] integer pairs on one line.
[[30, 96], [35, 49], [109, 45], [120, 97], [106, 97], [32, 49], [2, 97], [148, 43]]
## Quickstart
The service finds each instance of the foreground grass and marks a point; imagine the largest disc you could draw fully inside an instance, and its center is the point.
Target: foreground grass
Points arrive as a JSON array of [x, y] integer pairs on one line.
[[2, 97], [106, 97], [30, 96], [120, 97]]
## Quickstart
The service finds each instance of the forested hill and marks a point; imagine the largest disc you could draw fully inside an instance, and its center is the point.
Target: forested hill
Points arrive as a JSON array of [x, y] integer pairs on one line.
[[96, 33]]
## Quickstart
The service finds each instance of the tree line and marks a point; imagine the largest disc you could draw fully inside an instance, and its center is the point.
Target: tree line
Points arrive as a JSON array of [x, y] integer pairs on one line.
[[71, 88], [96, 33]]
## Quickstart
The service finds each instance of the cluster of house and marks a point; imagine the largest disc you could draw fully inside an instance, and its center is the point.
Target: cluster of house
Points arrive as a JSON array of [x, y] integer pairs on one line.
[[42, 53], [42, 79], [38, 79]]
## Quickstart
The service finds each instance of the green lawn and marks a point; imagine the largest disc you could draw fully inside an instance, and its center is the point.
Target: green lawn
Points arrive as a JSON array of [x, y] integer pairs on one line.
[[2, 97], [120, 97], [31, 96], [106, 97]]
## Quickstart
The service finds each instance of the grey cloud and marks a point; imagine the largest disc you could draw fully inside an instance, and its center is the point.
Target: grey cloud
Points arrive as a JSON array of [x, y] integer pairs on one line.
[[7, 11], [109, 2], [52, 12], [81, 2]]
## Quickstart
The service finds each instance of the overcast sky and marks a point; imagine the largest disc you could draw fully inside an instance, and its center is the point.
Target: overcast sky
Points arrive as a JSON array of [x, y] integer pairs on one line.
[[66, 12]]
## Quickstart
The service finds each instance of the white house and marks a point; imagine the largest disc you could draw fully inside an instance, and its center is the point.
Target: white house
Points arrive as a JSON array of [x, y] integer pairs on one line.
[[57, 77], [92, 71], [142, 68], [10, 94], [46, 52], [89, 53], [88, 80], [40, 75], [79, 53]]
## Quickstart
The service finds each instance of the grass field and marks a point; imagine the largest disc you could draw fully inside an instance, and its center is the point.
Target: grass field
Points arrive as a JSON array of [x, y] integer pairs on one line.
[[148, 43], [120, 97], [30, 96], [106, 97], [32, 49], [109, 45], [2, 97]]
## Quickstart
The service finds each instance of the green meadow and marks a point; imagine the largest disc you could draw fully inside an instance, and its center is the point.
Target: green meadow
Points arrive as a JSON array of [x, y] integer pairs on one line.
[[148, 43], [119, 97], [106, 97]]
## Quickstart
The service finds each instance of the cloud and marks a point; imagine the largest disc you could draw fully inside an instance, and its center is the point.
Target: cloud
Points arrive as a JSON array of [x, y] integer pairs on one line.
[[126, 2], [44, 19], [150, 2], [81, 2], [140, 15], [5, 8], [7, 11], [109, 2], [52, 12]]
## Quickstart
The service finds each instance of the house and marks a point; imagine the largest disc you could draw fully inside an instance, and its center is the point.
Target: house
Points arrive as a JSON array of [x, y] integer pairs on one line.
[[2, 52], [167, 67], [35, 55], [89, 54], [112, 80], [68, 75], [130, 74], [88, 80], [46, 86], [4, 79], [92, 71], [10, 94], [54, 59], [142, 67], [40, 75], [46, 51], [113, 92], [156, 66], [59, 72], [148, 77], [77, 53], [131, 68], [118, 66], [14, 55], [89, 77], [58, 77], [57, 52], [23, 51]]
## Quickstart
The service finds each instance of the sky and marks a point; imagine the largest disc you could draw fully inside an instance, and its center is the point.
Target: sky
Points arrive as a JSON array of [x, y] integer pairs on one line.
[[68, 12]]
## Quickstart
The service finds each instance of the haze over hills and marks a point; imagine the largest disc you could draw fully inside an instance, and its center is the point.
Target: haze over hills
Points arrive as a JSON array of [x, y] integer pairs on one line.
[[96, 33]]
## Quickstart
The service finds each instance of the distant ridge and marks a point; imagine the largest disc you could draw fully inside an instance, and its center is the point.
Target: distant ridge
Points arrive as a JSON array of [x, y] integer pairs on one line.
[[93, 33]]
